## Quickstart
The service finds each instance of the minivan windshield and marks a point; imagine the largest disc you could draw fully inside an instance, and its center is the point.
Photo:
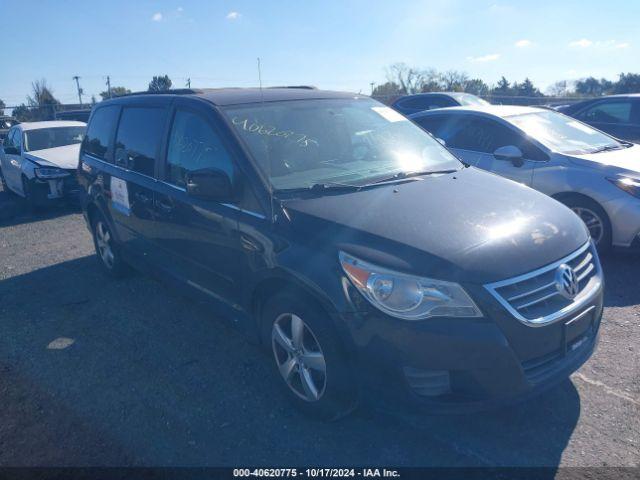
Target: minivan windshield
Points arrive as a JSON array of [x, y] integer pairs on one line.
[[43, 138], [564, 134], [302, 143]]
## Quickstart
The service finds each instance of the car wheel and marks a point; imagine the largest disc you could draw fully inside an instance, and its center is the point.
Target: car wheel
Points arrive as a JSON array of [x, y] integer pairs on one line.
[[27, 193], [306, 357], [595, 218], [3, 182], [107, 249]]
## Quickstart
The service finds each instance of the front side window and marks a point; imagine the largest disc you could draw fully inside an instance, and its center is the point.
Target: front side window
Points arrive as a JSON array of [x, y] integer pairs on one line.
[[98, 137], [138, 138], [194, 145], [43, 138], [302, 143], [563, 134], [607, 112]]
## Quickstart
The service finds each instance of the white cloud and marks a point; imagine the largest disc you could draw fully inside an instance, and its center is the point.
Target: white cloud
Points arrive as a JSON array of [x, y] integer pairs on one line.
[[180, 9], [582, 43], [157, 17], [622, 45], [233, 15], [484, 58], [523, 43]]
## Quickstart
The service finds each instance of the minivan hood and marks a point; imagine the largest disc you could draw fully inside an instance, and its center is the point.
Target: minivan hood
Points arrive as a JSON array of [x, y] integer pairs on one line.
[[470, 226], [61, 157], [624, 159]]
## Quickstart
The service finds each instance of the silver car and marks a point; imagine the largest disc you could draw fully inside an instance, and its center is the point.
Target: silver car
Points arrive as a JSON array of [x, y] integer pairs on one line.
[[594, 174]]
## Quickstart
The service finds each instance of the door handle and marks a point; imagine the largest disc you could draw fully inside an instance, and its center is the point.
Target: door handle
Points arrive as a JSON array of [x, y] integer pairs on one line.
[[249, 243], [165, 207], [142, 198]]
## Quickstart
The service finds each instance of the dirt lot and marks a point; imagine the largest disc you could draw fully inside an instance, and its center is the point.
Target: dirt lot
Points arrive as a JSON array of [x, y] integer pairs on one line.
[[101, 372]]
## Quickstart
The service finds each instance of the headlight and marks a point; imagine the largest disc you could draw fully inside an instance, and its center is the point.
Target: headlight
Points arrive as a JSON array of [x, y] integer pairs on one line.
[[48, 173], [407, 296], [629, 185]]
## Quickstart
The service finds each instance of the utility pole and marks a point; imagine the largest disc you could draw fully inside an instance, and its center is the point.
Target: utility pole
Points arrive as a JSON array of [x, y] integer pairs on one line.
[[108, 86], [188, 83], [372, 85], [77, 79]]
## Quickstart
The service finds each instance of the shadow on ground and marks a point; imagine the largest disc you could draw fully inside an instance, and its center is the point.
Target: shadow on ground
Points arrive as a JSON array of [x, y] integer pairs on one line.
[[153, 379]]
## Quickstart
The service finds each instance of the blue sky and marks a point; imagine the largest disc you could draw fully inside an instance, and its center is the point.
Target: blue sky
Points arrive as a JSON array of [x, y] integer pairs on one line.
[[332, 44]]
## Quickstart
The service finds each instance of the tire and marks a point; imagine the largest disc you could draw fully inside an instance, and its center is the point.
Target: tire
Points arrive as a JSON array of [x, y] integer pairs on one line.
[[28, 194], [335, 391], [3, 182], [595, 218], [107, 250]]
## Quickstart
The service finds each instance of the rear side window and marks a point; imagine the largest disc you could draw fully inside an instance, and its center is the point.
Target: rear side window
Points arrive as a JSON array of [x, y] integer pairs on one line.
[[194, 145], [426, 103], [139, 134], [98, 136], [608, 112]]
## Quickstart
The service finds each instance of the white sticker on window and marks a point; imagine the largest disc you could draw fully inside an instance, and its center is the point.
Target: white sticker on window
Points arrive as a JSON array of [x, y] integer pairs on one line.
[[120, 196], [583, 127], [389, 114]]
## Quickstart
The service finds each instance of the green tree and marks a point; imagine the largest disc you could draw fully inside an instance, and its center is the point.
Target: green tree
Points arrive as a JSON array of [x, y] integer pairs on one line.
[[118, 92], [160, 84], [387, 89], [593, 87], [477, 87], [627, 83], [2, 105], [526, 89], [503, 87]]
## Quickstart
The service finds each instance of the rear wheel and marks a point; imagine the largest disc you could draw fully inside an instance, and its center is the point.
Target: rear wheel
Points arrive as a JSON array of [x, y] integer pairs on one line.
[[107, 249], [306, 356], [595, 218]]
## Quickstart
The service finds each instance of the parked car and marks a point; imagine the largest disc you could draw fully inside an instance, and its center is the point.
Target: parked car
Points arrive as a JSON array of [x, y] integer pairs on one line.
[[5, 124], [594, 174], [428, 101], [38, 160], [361, 253], [617, 115], [78, 115]]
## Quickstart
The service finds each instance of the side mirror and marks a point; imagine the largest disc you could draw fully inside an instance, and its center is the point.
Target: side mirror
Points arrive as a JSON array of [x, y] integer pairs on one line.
[[210, 184], [10, 150], [510, 153]]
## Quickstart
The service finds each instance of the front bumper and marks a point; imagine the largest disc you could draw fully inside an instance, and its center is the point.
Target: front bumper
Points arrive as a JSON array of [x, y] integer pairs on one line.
[[46, 191], [624, 214], [453, 365]]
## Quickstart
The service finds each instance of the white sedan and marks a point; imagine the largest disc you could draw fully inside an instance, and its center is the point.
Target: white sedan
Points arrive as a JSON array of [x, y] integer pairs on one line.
[[38, 160]]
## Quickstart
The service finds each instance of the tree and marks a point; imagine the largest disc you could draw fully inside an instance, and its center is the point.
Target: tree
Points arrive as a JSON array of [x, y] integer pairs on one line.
[[502, 88], [388, 89], [593, 87], [560, 89], [2, 105], [526, 89], [160, 84], [627, 83], [454, 81], [119, 91], [477, 87], [42, 103], [409, 79]]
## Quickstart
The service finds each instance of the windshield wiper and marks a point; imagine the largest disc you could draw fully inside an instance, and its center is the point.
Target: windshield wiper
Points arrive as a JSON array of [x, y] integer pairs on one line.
[[607, 148], [405, 175], [321, 187]]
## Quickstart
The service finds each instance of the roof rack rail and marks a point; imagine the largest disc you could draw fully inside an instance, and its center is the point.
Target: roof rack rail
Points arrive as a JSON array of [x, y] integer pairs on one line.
[[304, 87], [176, 91]]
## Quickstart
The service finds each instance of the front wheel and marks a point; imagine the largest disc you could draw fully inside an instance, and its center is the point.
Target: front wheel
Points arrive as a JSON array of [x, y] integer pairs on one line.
[[307, 359], [595, 219]]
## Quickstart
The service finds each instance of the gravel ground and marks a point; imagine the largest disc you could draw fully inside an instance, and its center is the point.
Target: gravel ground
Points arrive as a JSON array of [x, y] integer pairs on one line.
[[95, 371]]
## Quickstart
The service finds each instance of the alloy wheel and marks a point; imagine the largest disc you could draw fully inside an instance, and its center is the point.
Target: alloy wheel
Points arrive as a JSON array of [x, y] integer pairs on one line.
[[299, 357], [103, 242], [593, 222]]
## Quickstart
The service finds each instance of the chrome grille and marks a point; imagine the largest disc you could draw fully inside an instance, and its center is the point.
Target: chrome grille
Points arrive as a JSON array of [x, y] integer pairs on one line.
[[534, 299]]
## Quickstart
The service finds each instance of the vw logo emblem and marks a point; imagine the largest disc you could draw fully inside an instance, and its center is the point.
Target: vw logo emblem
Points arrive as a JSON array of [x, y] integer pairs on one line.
[[567, 282]]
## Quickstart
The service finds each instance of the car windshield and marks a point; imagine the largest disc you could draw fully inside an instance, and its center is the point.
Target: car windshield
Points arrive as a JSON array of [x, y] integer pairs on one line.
[[52, 137], [564, 134], [468, 99], [301, 143]]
